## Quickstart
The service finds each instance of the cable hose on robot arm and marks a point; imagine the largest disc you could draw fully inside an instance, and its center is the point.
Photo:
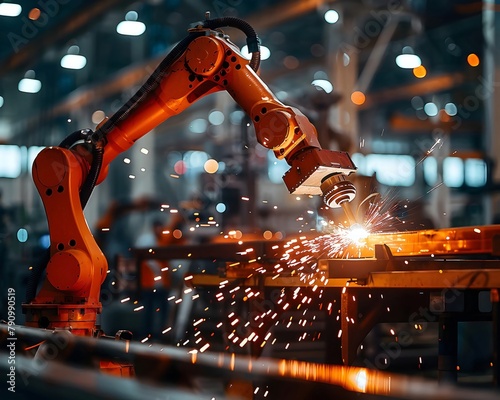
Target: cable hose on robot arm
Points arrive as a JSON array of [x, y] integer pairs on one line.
[[253, 41]]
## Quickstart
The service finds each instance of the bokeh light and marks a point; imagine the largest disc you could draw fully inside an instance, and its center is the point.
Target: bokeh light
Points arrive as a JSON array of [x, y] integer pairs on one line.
[[211, 166], [473, 60], [420, 71], [358, 97]]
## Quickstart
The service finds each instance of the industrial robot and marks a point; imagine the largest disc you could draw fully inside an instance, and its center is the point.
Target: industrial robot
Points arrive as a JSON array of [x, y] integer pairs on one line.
[[205, 62]]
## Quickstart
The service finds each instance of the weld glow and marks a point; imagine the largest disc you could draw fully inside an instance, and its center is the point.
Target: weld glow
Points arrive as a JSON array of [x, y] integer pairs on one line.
[[356, 233]]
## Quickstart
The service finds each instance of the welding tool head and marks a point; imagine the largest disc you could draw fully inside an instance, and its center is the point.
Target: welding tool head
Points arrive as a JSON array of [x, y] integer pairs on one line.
[[337, 190]]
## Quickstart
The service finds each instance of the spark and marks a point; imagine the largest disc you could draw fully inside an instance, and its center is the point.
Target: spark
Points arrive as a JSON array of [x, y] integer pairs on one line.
[[205, 347], [297, 258], [434, 187]]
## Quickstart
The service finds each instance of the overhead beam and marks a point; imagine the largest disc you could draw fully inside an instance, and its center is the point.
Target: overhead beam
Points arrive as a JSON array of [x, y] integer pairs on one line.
[[406, 124], [425, 86]]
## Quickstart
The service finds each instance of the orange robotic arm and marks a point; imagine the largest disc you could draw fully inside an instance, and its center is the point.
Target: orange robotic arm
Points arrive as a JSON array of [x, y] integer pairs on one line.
[[211, 63], [206, 62]]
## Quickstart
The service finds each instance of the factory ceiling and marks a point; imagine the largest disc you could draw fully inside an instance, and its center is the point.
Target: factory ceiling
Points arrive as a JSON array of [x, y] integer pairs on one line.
[[33, 43]]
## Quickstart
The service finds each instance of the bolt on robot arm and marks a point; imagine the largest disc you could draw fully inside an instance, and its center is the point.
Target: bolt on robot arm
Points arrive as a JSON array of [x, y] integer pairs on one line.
[[203, 63]]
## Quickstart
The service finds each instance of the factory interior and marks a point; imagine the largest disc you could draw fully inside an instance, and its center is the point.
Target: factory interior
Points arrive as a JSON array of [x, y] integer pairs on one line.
[[263, 199]]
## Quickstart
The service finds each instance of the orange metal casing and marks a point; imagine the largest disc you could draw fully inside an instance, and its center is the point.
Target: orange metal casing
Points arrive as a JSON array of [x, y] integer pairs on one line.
[[69, 297]]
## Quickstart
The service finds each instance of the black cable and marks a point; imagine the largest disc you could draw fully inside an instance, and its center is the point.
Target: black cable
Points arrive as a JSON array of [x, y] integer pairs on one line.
[[253, 41], [95, 169], [71, 139]]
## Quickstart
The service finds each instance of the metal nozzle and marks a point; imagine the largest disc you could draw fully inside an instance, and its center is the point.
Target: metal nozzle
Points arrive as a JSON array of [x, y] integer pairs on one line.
[[338, 192]]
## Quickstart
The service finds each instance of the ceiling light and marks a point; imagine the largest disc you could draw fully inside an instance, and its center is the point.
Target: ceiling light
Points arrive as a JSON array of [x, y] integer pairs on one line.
[[431, 109], [131, 27], [324, 84], [198, 125], [216, 117], [450, 109], [265, 53], [331, 16], [73, 60], [10, 9], [346, 59], [1, 101], [98, 116], [29, 84], [417, 103], [236, 116], [408, 59]]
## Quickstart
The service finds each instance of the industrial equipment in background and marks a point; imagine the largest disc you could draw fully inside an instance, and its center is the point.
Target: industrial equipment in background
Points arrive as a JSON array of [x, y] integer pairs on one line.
[[63, 293]]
